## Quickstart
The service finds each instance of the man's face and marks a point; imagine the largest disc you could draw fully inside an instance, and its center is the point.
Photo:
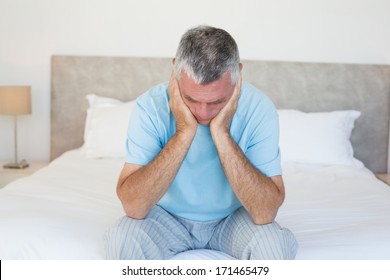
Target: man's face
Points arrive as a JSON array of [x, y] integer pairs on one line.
[[205, 101]]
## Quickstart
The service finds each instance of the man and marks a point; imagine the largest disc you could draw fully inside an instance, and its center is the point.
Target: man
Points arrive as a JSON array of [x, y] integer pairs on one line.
[[203, 164]]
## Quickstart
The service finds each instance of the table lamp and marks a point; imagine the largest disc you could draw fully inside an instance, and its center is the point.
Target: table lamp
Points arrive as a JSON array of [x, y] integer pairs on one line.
[[15, 101]]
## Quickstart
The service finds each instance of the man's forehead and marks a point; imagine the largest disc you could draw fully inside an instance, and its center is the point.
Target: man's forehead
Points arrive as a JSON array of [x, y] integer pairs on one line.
[[214, 91]]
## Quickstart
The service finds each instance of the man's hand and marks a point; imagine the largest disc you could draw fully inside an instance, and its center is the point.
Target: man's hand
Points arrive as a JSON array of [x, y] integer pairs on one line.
[[220, 124], [186, 123], [261, 196], [141, 187]]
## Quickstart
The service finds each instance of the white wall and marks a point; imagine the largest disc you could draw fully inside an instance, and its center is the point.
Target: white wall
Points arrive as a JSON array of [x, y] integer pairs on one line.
[[352, 31]]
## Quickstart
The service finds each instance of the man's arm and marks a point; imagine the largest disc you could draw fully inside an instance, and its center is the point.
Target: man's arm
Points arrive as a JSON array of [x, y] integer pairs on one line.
[[260, 195], [141, 187]]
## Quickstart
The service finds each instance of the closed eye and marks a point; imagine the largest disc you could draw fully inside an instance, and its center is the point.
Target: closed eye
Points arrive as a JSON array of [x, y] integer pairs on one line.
[[216, 102], [189, 99]]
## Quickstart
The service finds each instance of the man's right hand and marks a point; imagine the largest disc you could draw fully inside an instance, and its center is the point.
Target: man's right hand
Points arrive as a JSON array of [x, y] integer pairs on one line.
[[186, 123], [141, 187]]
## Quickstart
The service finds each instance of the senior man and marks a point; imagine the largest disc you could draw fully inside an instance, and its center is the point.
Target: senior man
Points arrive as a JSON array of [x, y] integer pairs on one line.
[[203, 163]]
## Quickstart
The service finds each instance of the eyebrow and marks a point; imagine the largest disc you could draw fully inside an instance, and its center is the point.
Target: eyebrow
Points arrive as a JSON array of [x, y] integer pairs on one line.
[[218, 101]]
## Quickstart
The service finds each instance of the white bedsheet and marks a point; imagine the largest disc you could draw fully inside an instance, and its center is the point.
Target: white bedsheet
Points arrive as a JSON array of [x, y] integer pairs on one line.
[[63, 210], [337, 212]]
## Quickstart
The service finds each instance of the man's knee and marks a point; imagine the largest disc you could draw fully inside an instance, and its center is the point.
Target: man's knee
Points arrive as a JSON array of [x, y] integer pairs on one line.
[[123, 240], [246, 240], [271, 241]]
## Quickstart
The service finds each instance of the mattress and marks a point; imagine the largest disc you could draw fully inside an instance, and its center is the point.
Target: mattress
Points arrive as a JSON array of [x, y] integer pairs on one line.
[[62, 211]]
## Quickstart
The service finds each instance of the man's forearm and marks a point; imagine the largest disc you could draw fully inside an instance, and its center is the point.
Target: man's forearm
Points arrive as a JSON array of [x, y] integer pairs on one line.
[[259, 194], [141, 190]]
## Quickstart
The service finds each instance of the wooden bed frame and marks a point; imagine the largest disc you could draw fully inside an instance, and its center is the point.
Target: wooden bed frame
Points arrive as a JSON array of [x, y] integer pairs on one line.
[[310, 87]]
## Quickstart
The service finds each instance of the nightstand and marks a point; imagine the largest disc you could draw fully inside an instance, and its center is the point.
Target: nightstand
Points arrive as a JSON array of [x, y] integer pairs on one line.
[[8, 175], [385, 177]]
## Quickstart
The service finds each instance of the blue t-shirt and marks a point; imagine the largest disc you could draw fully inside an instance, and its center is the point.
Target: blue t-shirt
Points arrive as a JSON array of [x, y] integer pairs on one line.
[[200, 190]]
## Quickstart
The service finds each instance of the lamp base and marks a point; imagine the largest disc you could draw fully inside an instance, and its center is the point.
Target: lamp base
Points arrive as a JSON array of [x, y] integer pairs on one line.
[[16, 165]]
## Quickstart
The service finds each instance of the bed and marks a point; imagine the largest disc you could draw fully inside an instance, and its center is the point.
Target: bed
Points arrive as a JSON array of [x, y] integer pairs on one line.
[[334, 122]]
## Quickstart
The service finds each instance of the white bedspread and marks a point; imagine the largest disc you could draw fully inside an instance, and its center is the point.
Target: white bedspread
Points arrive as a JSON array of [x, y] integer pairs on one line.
[[63, 210], [337, 212]]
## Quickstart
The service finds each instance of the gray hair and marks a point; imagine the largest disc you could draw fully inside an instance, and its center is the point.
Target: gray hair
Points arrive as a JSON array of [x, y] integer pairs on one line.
[[206, 53]]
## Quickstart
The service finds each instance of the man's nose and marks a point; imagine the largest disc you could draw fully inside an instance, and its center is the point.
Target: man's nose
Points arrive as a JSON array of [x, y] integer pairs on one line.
[[202, 110]]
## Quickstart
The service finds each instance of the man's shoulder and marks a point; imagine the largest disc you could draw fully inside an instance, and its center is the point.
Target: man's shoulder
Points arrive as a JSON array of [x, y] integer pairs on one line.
[[251, 96], [156, 94]]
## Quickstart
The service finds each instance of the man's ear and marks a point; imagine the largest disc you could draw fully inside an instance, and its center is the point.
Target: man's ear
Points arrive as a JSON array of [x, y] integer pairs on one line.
[[241, 66], [173, 61]]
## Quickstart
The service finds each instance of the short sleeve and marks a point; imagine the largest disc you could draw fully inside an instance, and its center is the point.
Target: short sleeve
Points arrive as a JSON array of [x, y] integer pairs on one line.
[[256, 130], [263, 149], [143, 141]]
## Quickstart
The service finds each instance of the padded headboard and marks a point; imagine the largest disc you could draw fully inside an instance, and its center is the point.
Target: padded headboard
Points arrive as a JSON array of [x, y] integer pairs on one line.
[[310, 87]]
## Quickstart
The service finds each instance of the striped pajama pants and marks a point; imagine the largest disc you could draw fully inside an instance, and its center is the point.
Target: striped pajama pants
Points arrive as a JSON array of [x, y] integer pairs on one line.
[[162, 235]]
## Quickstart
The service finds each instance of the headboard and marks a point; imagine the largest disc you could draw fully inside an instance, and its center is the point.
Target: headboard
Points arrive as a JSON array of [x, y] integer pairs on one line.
[[310, 87]]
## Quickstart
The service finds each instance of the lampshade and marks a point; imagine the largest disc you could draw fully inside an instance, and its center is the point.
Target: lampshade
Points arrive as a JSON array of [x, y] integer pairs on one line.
[[15, 100]]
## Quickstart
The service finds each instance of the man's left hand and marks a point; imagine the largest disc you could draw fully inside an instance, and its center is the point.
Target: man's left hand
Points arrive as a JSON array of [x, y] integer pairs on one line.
[[220, 124]]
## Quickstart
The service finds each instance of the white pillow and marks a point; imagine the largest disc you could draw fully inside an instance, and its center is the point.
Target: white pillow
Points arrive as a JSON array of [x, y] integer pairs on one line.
[[106, 127], [317, 138]]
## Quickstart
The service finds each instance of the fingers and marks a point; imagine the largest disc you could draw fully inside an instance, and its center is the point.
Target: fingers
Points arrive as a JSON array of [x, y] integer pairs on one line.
[[176, 100], [221, 122], [185, 121], [233, 102], [173, 87], [237, 88]]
